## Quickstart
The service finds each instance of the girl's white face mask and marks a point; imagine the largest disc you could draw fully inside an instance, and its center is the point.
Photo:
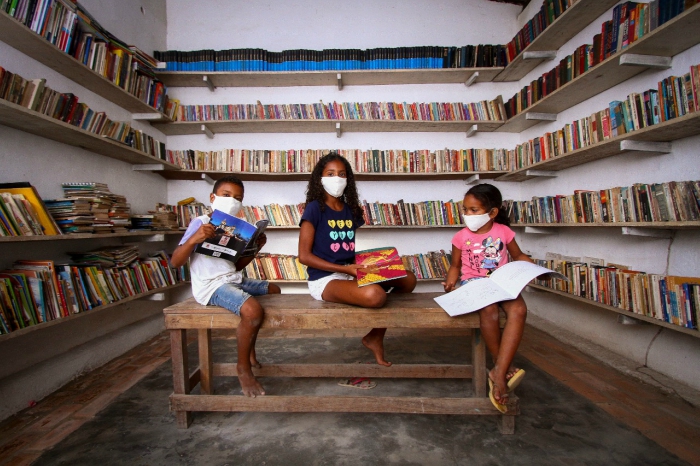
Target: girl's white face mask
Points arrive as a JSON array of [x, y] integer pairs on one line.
[[474, 222], [227, 205], [334, 185]]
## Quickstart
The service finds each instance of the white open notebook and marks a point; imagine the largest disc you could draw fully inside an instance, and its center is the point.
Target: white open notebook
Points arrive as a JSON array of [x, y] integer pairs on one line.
[[504, 284]]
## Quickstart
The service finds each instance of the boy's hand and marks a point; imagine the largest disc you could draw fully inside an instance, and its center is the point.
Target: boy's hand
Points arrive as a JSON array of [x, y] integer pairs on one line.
[[262, 240], [204, 232]]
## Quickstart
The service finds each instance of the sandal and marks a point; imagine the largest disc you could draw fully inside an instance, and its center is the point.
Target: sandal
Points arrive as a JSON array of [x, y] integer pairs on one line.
[[363, 383], [499, 406], [515, 379]]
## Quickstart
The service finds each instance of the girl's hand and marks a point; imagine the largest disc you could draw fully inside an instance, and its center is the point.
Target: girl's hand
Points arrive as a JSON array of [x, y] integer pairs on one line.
[[449, 285], [351, 269], [204, 232]]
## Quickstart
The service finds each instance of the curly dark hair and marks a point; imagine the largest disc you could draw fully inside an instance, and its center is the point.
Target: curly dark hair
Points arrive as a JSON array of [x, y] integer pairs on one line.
[[315, 191], [227, 179], [490, 197]]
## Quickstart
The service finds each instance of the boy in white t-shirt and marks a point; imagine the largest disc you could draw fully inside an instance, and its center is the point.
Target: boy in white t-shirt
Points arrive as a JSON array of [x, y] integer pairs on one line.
[[219, 282]]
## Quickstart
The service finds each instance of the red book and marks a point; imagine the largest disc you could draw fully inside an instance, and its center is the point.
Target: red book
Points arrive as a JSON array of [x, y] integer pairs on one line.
[[380, 265]]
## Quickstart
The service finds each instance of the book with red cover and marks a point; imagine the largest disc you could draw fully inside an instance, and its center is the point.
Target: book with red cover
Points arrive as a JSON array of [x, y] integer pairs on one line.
[[380, 265]]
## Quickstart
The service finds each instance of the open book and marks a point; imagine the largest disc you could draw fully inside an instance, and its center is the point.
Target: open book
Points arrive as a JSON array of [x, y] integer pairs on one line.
[[381, 264], [504, 284], [235, 238]]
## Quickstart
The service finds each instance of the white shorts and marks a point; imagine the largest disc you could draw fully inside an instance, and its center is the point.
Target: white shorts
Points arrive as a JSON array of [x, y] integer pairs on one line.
[[316, 287]]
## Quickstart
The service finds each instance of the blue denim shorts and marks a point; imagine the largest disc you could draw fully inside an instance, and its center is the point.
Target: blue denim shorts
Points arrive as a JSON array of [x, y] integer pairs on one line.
[[231, 296], [464, 282]]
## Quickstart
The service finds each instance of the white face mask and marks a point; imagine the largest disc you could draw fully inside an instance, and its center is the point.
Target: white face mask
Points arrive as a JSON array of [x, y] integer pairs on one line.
[[334, 185], [227, 205], [474, 222]]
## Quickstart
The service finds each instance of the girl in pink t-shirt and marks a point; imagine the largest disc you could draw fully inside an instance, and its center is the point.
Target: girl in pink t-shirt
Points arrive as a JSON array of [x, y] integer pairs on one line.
[[477, 251]]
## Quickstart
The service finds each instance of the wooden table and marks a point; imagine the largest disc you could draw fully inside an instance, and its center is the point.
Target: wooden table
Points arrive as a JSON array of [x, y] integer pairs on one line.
[[417, 310]]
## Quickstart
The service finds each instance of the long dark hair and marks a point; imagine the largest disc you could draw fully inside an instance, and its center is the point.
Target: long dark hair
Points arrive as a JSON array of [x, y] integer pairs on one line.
[[490, 197], [315, 191]]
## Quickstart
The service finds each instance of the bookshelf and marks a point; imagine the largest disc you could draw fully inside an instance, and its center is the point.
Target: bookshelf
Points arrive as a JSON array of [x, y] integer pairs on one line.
[[17, 35], [325, 78], [667, 40], [651, 320], [29, 121], [654, 225], [137, 235], [323, 126], [44, 325], [577, 17], [266, 176], [670, 130]]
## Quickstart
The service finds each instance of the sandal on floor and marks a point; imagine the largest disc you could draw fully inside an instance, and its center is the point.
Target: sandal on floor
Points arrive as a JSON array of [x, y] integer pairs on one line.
[[499, 406], [363, 383], [515, 380]]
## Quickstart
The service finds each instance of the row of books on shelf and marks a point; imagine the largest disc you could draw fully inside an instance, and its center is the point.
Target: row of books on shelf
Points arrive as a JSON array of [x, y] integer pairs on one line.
[[631, 21], [432, 57], [674, 201], [402, 213], [268, 266], [33, 292], [36, 96], [675, 96], [361, 161], [492, 110], [548, 12], [68, 25], [668, 298]]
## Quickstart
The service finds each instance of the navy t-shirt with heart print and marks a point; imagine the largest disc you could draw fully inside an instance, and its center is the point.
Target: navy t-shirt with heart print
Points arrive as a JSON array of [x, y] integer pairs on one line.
[[334, 240]]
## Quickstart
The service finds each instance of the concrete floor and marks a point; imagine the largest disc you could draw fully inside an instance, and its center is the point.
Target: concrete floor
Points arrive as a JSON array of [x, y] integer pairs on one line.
[[582, 420]]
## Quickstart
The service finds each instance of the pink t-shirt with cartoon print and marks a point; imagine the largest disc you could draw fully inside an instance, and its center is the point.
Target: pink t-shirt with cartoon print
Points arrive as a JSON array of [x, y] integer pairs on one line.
[[483, 253]]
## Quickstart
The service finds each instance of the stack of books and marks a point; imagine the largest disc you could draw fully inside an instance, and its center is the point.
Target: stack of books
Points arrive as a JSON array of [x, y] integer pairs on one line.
[[415, 214], [112, 256], [492, 110], [90, 208], [72, 215], [674, 201]]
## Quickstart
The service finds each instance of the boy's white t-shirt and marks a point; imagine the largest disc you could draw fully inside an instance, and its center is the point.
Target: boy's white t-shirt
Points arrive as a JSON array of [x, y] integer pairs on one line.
[[208, 273]]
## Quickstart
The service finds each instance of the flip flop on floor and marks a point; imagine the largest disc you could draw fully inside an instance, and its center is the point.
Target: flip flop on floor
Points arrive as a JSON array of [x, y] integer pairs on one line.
[[363, 383], [515, 380], [499, 406]]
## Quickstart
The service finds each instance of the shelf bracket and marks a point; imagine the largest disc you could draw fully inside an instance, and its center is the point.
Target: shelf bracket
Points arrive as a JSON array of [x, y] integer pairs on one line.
[[338, 132], [148, 167], [472, 179], [340, 81], [207, 131], [647, 232], [629, 320], [472, 79], [473, 129], [645, 146], [208, 179], [651, 61], [540, 55], [541, 116], [540, 231], [146, 116], [155, 297], [541, 173], [208, 82]]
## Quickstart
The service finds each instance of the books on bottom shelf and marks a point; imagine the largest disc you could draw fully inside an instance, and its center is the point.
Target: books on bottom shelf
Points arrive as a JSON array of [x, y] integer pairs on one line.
[[668, 298], [674, 201], [33, 292]]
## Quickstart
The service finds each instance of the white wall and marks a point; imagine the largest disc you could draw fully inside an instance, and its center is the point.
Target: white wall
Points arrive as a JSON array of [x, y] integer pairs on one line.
[[282, 25], [46, 164]]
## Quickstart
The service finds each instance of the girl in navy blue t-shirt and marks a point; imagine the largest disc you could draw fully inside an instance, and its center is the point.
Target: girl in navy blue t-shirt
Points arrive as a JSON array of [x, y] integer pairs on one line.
[[327, 245]]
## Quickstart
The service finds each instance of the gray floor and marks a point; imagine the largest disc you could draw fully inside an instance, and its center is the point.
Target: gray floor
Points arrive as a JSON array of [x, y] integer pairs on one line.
[[556, 426]]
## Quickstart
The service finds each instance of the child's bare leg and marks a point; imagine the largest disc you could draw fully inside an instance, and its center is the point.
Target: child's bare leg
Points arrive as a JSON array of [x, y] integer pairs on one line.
[[246, 335], [347, 292], [516, 312], [402, 285], [271, 289], [491, 333]]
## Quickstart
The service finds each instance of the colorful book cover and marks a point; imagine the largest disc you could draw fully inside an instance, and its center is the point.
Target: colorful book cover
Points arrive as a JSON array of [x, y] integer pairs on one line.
[[380, 265], [235, 238]]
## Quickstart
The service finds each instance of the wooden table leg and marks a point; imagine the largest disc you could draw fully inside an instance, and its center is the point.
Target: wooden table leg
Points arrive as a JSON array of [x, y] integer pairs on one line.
[[507, 424], [479, 364], [205, 362], [181, 374]]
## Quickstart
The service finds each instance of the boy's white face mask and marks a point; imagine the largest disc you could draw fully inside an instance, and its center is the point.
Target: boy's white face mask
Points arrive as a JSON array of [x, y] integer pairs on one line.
[[474, 222], [334, 185], [227, 205]]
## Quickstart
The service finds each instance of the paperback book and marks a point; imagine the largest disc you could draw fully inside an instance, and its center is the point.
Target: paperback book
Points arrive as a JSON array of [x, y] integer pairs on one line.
[[235, 238], [504, 284], [380, 265]]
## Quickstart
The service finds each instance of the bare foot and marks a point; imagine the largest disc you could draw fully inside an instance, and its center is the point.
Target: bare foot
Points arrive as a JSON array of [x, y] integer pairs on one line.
[[500, 392], [376, 346], [249, 384]]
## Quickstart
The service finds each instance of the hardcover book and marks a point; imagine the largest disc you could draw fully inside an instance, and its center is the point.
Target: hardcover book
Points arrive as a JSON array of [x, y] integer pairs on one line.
[[235, 238], [380, 265]]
